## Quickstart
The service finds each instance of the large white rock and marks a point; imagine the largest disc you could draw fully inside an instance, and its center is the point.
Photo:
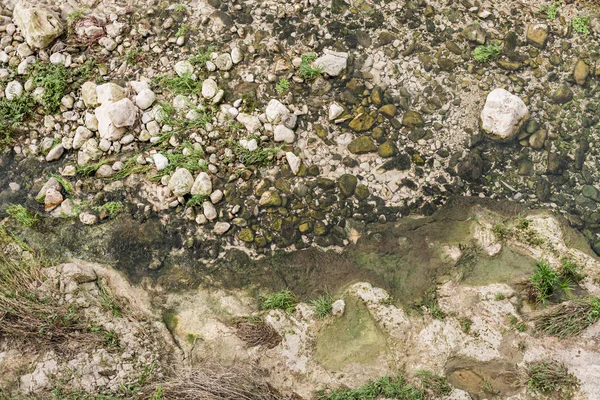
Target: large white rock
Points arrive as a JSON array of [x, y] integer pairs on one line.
[[333, 62], [503, 114], [202, 185], [38, 24], [110, 93], [122, 113], [106, 128], [181, 182], [276, 112], [283, 134], [13, 90]]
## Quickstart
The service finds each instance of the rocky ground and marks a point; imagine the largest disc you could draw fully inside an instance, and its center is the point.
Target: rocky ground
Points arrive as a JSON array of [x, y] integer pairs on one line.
[[164, 138]]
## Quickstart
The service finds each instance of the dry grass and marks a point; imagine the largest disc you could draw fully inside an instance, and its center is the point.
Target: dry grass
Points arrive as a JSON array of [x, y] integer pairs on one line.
[[255, 332], [551, 378], [569, 319], [216, 382]]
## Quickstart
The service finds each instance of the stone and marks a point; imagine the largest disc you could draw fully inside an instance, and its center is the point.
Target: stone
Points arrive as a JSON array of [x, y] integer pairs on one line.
[[475, 33], [293, 161], [184, 68], [51, 183], [161, 162], [591, 192], [56, 153], [37, 23], [581, 72], [202, 185], [216, 196], [537, 140], [389, 110], [250, 122], [122, 113], [362, 145], [246, 235], [347, 184], [362, 192], [79, 273], [276, 112], [335, 110], [13, 90], [224, 62], [88, 218], [181, 182], [236, 55], [362, 122], [537, 35], [89, 152], [562, 94], [284, 134], [106, 128], [332, 63], [386, 149], [412, 119], [338, 307], [221, 228], [503, 115], [52, 199], [145, 99], [209, 211], [270, 198], [209, 88], [105, 171], [109, 93]]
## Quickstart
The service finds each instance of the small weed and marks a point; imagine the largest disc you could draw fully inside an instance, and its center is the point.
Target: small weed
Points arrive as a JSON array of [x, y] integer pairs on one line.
[[196, 200], [499, 296], [261, 157], [484, 54], [111, 338], [435, 386], [21, 215], [521, 327], [72, 19], [552, 10], [306, 71], [569, 319], [202, 56], [551, 377], [180, 84], [109, 302], [66, 185], [282, 86], [581, 25], [183, 30], [322, 306], [386, 387], [54, 79], [112, 207], [544, 281], [500, 231], [89, 169], [487, 387], [134, 55], [568, 270], [284, 300], [12, 115], [465, 324], [180, 8], [523, 223]]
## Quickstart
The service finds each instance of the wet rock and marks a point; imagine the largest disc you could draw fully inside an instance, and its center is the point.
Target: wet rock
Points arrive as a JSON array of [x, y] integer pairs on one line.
[[37, 23], [581, 72], [412, 119], [401, 162], [246, 235], [333, 63], [537, 35], [555, 164], [503, 115], [362, 145], [591, 192], [347, 184], [386, 149], [362, 122], [562, 94], [446, 64], [270, 198], [471, 167], [181, 182], [474, 33], [389, 110], [362, 192], [202, 185]]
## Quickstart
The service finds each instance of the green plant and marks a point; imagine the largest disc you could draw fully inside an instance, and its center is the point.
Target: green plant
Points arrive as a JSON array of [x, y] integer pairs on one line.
[[322, 305], [435, 386], [112, 207], [569, 319], [283, 85], [111, 338], [85, 71], [109, 302], [134, 55], [581, 25], [196, 200], [180, 8], [499, 296], [550, 377], [54, 80], [183, 30], [21, 215], [12, 115], [306, 71], [184, 84], [72, 19], [89, 169], [387, 387], [500, 231], [552, 9], [544, 281], [283, 300], [465, 324], [202, 56], [66, 185], [260, 157], [484, 53], [568, 270], [521, 327]]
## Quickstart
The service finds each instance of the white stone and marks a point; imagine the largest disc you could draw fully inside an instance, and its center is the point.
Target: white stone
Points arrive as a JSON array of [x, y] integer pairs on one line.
[[236, 55], [145, 99], [122, 113], [106, 128], [202, 185], [333, 63], [181, 182], [221, 227], [209, 211], [335, 110], [37, 23], [56, 153], [294, 161], [110, 93], [87, 218], [250, 122], [216, 196], [13, 90], [338, 307], [58, 59], [283, 134], [209, 88], [224, 62], [503, 114], [276, 112], [250, 145], [183, 68], [139, 86], [161, 162]]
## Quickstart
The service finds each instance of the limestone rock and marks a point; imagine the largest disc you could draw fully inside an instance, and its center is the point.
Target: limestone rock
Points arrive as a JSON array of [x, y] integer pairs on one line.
[[270, 198], [221, 227], [145, 99], [161, 162], [202, 185], [293, 161], [52, 199], [276, 112], [250, 122], [89, 94], [333, 63], [13, 90], [209, 88], [56, 153], [503, 114], [475, 33], [362, 122], [347, 184], [581, 72], [181, 182], [362, 145], [110, 93], [38, 24], [106, 127], [122, 113], [283, 134]]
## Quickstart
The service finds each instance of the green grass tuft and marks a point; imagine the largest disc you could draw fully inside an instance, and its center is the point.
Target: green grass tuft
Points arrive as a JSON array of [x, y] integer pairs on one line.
[[465, 324], [112, 207], [21, 215], [306, 71], [435, 386], [66, 185], [283, 300], [202, 56], [322, 306], [180, 84], [484, 54], [282, 86], [544, 281], [551, 377], [384, 387], [12, 115], [552, 9]]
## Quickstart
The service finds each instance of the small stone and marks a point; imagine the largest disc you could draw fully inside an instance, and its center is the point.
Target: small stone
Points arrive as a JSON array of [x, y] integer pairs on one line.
[[181, 182], [216, 196], [122, 113], [332, 63], [145, 99], [13, 90], [362, 145], [250, 122], [184, 68], [88, 218], [284, 134], [562, 94], [276, 112], [537, 140], [224, 62], [221, 228], [293, 161], [362, 192], [335, 110], [338, 307], [347, 184], [270, 198], [209, 211], [246, 235], [209, 88], [202, 185], [109, 93], [362, 122], [236, 55], [56, 153], [591, 192], [389, 110], [475, 33], [503, 115], [105, 171], [581, 72], [412, 119], [537, 35], [386, 149], [52, 199], [161, 162]]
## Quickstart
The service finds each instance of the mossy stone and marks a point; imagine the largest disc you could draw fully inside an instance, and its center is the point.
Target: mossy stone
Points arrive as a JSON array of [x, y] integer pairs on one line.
[[347, 184], [362, 192], [386, 149], [246, 235], [362, 145]]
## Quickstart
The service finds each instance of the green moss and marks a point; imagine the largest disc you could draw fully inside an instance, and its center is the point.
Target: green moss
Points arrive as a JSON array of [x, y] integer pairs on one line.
[[112, 207], [12, 115], [21, 215], [581, 25]]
